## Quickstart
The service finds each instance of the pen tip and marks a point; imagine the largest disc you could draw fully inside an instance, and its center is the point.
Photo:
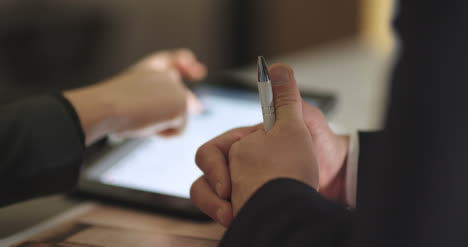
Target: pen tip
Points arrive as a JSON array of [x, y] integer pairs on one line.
[[262, 69]]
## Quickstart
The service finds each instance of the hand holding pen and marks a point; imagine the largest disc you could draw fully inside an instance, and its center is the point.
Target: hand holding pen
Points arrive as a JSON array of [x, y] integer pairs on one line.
[[236, 164]]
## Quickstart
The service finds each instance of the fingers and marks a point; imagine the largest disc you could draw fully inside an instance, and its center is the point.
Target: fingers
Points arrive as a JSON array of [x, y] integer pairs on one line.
[[288, 101], [183, 60], [208, 202], [160, 61], [212, 159]]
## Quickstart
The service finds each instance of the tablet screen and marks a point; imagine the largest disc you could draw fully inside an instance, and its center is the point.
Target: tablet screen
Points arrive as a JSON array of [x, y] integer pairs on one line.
[[166, 165]]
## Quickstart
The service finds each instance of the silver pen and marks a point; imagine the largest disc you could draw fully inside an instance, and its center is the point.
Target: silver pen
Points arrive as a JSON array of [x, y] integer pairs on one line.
[[266, 94]]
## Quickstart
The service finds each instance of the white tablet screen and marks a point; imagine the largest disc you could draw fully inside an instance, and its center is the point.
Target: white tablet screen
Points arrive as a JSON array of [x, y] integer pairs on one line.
[[166, 165]]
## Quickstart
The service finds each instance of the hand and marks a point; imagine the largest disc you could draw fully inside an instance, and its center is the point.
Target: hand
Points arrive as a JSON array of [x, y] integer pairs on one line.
[[146, 99], [212, 191], [283, 152], [331, 152]]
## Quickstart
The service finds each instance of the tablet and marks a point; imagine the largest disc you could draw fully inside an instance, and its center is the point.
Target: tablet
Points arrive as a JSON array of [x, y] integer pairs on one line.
[[157, 172]]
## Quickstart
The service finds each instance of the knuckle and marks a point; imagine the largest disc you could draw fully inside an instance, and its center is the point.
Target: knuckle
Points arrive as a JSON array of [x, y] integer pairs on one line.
[[237, 133], [206, 160], [201, 153]]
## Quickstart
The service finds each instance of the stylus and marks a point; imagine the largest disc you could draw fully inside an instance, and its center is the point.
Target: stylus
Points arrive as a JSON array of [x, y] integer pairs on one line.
[[266, 94]]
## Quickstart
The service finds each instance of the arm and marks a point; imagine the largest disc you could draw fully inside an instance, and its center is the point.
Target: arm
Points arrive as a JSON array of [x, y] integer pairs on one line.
[[420, 189], [42, 139], [274, 179], [412, 185], [286, 212], [371, 158], [41, 145]]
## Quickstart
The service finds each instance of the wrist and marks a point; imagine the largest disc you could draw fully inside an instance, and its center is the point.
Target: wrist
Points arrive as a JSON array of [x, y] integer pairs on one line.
[[96, 112]]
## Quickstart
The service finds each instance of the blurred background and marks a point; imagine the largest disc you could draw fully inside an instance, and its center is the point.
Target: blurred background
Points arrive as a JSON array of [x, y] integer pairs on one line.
[[334, 45], [343, 47]]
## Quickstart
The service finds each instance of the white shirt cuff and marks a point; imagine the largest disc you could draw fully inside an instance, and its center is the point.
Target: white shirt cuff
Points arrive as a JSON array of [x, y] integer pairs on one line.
[[351, 177]]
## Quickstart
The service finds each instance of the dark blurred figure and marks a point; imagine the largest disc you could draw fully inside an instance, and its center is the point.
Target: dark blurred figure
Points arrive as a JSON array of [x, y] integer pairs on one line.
[[50, 46]]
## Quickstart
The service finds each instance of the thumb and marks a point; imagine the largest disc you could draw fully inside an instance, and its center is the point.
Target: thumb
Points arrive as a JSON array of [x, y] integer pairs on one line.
[[288, 101]]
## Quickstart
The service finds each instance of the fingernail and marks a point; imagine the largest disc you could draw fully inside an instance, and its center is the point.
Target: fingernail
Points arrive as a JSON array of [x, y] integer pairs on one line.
[[219, 189], [279, 74], [220, 215]]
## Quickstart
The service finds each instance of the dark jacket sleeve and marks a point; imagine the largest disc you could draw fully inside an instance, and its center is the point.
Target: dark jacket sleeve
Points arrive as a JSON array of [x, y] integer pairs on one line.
[[41, 148], [413, 180], [371, 158], [286, 212], [420, 196]]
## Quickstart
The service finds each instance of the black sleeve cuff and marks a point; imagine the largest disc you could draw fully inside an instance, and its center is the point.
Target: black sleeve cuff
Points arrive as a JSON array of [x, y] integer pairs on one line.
[[42, 147], [73, 114], [286, 212]]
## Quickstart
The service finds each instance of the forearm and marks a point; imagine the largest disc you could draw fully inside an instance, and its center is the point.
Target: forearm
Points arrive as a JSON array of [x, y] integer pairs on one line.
[[97, 114], [41, 145]]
